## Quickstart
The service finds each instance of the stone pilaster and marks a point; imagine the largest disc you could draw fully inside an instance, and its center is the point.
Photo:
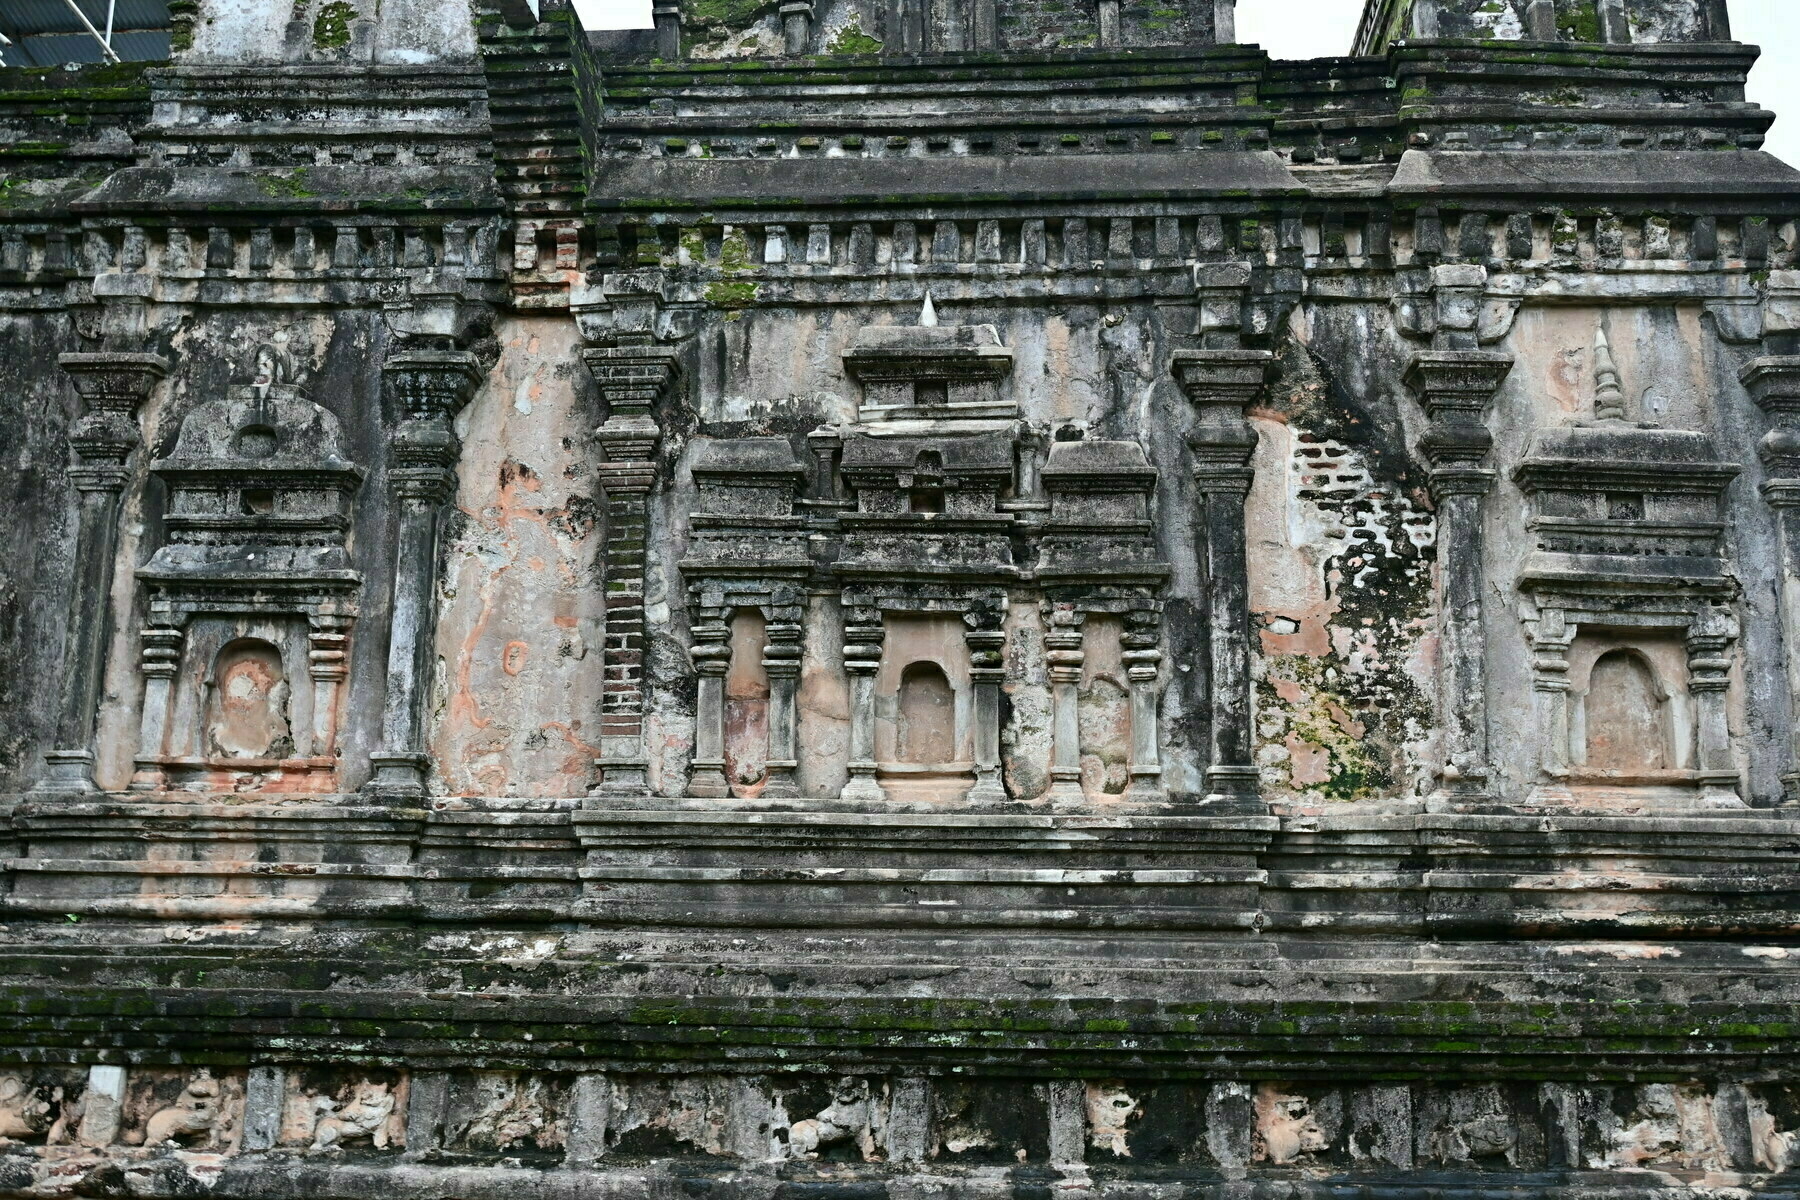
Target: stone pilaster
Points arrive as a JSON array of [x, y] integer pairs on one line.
[[112, 387], [796, 25], [632, 378], [711, 653], [1143, 661], [863, 635], [987, 671], [1455, 387], [665, 15], [426, 389], [1063, 653], [781, 662], [1709, 645], [159, 661], [1774, 382], [1221, 384]]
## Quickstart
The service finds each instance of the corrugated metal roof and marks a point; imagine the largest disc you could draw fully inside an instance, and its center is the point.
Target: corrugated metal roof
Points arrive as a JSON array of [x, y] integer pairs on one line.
[[45, 33]]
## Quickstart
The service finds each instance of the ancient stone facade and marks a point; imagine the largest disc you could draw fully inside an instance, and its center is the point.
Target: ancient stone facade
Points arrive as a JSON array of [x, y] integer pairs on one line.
[[871, 598]]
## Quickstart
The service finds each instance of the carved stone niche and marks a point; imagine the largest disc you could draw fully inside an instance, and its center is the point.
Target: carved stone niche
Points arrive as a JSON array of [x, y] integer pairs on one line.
[[251, 598], [1102, 581], [927, 547], [926, 664], [747, 562], [926, 560], [1629, 611]]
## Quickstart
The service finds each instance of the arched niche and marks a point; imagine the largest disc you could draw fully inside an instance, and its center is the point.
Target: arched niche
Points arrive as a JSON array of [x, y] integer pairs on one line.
[[747, 703], [1625, 716], [1630, 717], [247, 711], [925, 716]]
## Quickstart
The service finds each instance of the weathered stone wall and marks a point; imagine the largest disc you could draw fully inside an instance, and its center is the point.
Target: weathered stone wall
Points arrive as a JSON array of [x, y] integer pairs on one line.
[[899, 600]]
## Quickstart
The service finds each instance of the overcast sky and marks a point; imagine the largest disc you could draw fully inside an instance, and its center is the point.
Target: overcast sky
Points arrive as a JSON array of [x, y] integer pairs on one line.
[[1312, 28]]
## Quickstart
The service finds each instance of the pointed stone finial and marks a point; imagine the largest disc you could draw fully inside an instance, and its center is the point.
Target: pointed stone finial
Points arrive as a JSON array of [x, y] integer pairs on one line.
[[927, 314], [1609, 398]]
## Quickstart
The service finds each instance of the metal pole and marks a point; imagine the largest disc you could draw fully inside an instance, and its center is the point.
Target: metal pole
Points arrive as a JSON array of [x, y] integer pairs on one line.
[[106, 49], [111, 7]]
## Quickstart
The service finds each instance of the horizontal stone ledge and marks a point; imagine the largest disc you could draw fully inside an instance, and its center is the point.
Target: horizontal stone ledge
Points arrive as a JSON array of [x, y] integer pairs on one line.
[[713, 184], [1599, 173]]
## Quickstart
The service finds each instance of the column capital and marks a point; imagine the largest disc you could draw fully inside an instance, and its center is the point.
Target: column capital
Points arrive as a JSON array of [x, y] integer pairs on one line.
[[1774, 383], [114, 379], [632, 378], [1233, 377], [1457, 378], [1221, 384], [1455, 387], [430, 383], [112, 386]]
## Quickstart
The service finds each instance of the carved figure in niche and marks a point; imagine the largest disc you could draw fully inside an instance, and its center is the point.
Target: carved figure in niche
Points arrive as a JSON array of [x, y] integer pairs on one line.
[[1626, 716], [247, 704], [271, 365], [1103, 708], [365, 1116], [198, 1112], [747, 700], [1478, 1128], [1110, 1108], [850, 1116], [1286, 1127], [27, 1114], [498, 1110], [927, 715]]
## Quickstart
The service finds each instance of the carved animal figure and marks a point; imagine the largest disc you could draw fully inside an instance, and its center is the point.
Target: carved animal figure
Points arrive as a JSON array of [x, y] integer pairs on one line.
[[195, 1111], [849, 1115], [365, 1116], [24, 1114]]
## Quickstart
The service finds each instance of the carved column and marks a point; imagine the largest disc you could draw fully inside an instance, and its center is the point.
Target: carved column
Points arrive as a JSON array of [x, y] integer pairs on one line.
[[665, 15], [1709, 642], [712, 662], [112, 386], [1222, 384], [796, 25], [1552, 634], [1142, 662], [159, 660], [781, 662], [1775, 383], [987, 671], [633, 376], [1063, 652], [1109, 23], [427, 388], [1456, 386], [329, 665], [863, 635]]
